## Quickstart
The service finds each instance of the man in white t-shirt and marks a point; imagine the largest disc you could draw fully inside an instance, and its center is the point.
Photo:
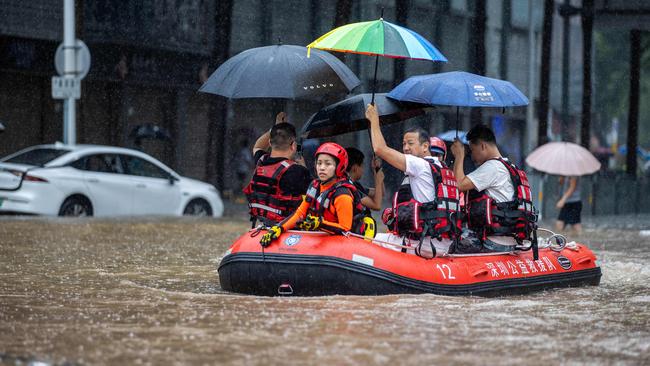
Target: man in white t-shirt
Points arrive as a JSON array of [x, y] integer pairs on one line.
[[415, 147], [491, 177]]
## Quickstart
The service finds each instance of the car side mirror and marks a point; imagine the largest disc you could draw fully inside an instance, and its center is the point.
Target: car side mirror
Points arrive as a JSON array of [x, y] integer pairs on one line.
[[171, 179]]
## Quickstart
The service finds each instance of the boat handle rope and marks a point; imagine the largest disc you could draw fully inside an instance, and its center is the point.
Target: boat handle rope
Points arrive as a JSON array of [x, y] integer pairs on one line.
[[558, 246]]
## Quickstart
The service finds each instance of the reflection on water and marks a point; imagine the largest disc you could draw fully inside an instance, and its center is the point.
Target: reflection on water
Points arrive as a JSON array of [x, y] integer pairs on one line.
[[129, 292]]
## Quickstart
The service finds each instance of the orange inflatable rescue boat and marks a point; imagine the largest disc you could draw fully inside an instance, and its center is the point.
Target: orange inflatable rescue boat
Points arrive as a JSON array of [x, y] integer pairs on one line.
[[303, 263]]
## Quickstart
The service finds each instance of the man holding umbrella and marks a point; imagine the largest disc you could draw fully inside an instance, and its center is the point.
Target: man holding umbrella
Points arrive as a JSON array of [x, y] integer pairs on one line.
[[500, 211], [278, 183], [425, 207]]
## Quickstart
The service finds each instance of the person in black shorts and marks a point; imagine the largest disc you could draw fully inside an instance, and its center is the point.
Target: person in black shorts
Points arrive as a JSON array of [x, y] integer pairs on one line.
[[279, 182], [569, 204]]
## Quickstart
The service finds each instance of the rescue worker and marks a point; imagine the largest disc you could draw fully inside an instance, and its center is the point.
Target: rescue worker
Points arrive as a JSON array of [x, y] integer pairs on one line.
[[370, 197], [438, 148], [499, 202], [425, 207], [279, 182], [329, 203]]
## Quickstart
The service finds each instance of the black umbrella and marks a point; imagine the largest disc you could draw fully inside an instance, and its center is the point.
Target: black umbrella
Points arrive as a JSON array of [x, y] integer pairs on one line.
[[149, 131], [281, 71], [349, 115]]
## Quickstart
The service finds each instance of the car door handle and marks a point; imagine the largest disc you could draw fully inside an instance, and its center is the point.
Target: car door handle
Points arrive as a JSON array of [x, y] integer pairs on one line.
[[141, 185], [93, 180]]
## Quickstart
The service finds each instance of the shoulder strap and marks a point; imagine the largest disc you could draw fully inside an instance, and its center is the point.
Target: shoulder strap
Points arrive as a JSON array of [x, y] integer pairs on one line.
[[282, 168]]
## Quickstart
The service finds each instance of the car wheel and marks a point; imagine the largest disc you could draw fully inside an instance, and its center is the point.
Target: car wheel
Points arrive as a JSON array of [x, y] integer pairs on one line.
[[76, 206], [198, 207]]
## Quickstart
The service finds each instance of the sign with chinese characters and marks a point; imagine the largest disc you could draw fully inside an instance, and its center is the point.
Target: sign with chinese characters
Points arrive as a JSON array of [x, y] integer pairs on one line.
[[519, 266]]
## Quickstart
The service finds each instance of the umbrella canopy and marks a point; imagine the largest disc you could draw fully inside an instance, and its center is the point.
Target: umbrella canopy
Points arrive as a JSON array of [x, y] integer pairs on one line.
[[281, 71], [349, 115], [150, 131], [452, 134], [378, 37], [563, 158], [458, 88]]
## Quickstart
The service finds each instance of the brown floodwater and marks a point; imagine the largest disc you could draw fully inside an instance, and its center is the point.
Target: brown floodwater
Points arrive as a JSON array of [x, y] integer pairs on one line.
[[129, 291]]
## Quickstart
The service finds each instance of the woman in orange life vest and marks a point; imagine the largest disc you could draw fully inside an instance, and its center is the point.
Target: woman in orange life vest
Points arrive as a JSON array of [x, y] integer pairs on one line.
[[328, 204]]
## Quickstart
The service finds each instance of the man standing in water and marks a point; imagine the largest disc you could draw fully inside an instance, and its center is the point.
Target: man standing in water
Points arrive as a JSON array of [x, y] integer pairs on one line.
[[425, 206]]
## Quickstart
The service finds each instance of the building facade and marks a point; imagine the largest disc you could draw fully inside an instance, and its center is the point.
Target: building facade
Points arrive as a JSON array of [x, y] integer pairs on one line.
[[150, 57]]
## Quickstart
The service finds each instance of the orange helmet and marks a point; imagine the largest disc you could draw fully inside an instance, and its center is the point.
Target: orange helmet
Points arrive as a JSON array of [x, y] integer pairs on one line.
[[437, 146], [338, 152]]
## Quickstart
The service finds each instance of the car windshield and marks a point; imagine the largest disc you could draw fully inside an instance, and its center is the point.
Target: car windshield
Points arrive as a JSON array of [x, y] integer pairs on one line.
[[38, 157]]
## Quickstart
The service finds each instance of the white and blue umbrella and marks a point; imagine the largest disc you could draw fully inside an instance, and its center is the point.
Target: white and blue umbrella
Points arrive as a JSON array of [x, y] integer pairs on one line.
[[452, 134], [459, 89]]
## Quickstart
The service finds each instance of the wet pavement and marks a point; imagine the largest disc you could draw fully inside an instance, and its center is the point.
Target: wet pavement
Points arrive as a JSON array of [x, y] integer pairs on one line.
[[146, 291]]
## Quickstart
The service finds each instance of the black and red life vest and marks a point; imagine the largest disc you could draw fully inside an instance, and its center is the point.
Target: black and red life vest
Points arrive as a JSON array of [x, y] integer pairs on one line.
[[266, 201], [321, 203], [516, 218], [439, 218]]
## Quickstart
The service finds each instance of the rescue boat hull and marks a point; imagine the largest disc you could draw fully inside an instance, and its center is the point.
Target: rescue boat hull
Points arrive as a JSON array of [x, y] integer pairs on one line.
[[314, 264]]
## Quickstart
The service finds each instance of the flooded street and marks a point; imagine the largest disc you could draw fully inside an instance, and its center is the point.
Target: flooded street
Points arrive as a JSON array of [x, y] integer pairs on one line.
[[146, 292]]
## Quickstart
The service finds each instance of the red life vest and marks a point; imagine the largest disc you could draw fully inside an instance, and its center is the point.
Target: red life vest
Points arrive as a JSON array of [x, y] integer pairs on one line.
[[266, 201], [439, 218], [321, 203], [516, 218]]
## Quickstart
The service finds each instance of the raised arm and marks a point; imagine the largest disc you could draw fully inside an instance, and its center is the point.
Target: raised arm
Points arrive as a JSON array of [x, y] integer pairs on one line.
[[464, 183], [264, 142], [390, 155]]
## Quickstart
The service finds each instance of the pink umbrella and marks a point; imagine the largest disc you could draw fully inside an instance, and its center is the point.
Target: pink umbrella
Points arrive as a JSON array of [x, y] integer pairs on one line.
[[563, 158]]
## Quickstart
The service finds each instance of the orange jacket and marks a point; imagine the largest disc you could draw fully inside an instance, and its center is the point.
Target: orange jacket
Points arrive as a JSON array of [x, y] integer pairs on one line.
[[340, 212]]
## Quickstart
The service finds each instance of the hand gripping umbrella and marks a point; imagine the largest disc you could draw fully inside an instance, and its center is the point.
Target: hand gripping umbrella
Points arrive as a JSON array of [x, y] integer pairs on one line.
[[459, 89], [349, 115], [281, 71], [378, 38]]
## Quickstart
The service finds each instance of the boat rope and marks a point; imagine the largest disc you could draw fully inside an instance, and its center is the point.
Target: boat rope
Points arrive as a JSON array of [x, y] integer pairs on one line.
[[556, 242]]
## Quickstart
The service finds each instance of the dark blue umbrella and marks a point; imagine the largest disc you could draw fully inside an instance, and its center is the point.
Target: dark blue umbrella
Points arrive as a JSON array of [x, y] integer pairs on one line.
[[460, 89], [281, 71]]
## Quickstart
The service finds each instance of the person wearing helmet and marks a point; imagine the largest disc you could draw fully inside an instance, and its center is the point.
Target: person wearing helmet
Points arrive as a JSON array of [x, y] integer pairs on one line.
[[329, 202], [425, 206], [438, 148]]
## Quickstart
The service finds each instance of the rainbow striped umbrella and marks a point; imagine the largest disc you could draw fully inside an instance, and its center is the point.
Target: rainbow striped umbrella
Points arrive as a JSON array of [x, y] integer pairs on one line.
[[378, 38]]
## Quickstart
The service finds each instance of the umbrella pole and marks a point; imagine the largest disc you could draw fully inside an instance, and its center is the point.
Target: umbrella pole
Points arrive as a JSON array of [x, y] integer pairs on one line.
[[457, 120], [374, 80], [372, 101]]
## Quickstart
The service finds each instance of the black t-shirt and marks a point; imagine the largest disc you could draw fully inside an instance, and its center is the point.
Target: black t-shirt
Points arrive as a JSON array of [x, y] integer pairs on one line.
[[294, 181], [363, 190]]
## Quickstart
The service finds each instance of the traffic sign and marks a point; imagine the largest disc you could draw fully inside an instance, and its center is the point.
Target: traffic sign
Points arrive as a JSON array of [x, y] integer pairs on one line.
[[66, 87], [82, 60]]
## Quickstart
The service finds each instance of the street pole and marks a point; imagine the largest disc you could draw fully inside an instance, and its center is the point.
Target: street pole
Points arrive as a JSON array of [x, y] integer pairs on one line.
[[530, 127], [69, 71], [566, 36]]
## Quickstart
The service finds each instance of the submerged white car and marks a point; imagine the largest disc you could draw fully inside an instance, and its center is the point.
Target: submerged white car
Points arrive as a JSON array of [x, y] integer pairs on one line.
[[94, 180]]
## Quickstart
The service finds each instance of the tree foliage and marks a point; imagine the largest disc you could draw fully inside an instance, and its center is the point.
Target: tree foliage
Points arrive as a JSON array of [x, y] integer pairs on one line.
[[612, 86]]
